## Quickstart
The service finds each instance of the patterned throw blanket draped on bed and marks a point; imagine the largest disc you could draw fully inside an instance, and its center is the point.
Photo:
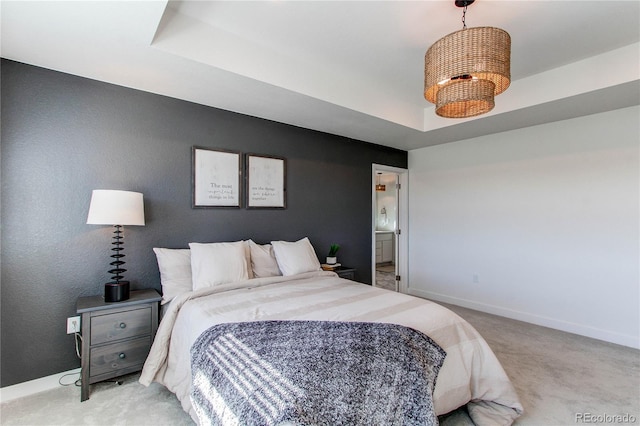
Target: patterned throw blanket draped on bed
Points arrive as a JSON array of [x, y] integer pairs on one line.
[[314, 373]]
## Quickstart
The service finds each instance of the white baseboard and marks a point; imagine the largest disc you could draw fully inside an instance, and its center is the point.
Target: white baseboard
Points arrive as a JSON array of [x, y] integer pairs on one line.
[[583, 330], [9, 393]]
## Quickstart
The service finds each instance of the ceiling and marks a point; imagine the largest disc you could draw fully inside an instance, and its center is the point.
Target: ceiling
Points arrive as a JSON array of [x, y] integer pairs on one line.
[[352, 68]]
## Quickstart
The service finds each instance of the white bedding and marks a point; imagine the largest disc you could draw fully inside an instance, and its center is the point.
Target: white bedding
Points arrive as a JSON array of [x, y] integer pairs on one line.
[[471, 372]]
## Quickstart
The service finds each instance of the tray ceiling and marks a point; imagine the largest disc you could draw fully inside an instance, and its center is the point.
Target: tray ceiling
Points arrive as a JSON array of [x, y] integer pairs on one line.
[[348, 68]]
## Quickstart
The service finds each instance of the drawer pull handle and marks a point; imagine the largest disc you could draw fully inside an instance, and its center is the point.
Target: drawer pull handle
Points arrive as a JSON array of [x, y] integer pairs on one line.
[[122, 355], [123, 325]]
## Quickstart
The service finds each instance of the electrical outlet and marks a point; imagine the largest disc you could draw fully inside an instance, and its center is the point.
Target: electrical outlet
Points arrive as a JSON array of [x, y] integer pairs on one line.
[[73, 325]]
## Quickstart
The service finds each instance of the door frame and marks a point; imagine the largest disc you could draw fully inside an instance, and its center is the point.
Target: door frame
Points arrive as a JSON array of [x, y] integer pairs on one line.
[[402, 241]]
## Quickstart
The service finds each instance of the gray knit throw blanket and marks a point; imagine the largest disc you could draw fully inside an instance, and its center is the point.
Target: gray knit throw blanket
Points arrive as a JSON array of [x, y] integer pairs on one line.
[[314, 373]]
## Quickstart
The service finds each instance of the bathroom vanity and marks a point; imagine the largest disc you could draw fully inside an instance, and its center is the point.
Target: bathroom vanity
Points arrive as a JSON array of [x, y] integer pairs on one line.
[[384, 246]]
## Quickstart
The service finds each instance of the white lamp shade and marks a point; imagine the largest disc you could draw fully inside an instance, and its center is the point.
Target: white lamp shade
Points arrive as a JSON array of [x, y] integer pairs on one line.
[[111, 207]]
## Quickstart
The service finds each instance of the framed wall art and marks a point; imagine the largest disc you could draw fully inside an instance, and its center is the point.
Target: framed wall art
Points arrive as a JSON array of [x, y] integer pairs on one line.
[[216, 178], [266, 179]]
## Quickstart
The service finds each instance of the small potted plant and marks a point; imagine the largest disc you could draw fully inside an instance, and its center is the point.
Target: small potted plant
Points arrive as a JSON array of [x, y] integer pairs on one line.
[[331, 257]]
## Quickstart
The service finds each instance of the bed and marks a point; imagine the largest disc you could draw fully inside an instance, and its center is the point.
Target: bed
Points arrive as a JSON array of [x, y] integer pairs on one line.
[[470, 374]]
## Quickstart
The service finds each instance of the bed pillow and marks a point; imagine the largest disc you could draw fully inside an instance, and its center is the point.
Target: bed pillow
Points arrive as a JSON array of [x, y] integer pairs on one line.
[[175, 272], [295, 257], [218, 263], [263, 260]]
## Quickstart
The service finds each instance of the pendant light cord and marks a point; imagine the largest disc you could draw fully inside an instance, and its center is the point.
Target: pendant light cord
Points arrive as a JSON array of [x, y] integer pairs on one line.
[[464, 15]]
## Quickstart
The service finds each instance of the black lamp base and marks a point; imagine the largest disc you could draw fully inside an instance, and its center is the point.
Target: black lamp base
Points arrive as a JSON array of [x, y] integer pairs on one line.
[[116, 292]]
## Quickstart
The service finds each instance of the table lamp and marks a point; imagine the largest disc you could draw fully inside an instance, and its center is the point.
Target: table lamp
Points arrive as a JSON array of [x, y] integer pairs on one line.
[[117, 208]]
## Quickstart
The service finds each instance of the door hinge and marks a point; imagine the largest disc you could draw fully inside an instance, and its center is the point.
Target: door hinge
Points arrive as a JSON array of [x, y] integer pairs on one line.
[[398, 186], [398, 232], [397, 277]]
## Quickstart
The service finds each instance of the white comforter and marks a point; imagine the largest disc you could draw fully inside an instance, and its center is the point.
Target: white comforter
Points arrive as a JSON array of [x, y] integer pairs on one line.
[[470, 374]]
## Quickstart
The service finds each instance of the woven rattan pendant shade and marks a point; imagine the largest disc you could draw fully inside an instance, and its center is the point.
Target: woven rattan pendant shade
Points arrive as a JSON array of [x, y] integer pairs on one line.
[[466, 98], [464, 70]]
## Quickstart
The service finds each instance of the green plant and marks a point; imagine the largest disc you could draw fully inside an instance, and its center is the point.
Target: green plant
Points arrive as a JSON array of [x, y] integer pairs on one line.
[[333, 250]]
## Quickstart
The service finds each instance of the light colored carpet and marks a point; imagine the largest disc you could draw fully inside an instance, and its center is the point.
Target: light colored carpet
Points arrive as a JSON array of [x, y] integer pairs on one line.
[[557, 375], [109, 404]]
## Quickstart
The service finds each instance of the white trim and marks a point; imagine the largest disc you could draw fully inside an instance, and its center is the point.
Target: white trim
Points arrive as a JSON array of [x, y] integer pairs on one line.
[[403, 223], [569, 327], [9, 393]]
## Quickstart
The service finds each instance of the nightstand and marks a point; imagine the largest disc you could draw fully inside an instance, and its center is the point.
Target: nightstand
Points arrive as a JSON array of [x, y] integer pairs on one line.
[[116, 337], [346, 272]]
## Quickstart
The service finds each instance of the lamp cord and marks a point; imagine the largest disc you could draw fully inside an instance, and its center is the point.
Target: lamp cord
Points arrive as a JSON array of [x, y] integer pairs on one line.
[[78, 336]]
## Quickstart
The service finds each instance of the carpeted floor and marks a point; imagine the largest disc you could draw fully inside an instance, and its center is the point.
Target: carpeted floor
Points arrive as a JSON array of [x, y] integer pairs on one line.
[[558, 376], [109, 404]]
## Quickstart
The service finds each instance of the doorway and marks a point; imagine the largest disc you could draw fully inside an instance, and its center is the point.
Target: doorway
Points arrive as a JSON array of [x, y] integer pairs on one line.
[[389, 228]]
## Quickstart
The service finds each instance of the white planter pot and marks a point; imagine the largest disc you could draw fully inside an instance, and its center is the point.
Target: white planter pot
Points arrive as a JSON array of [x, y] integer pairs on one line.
[[332, 260]]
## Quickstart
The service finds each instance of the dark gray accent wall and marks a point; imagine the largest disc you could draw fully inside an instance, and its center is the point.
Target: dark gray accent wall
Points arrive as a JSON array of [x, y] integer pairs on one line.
[[63, 136]]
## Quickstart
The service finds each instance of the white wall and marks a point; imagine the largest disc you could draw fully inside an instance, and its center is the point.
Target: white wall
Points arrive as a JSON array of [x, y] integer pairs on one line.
[[539, 224]]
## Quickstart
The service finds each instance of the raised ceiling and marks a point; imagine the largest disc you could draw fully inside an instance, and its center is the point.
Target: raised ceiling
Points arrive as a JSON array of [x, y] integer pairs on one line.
[[350, 68]]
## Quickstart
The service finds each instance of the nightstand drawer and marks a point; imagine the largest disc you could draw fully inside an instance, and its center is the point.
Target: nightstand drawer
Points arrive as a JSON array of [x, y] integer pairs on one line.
[[119, 356], [120, 325]]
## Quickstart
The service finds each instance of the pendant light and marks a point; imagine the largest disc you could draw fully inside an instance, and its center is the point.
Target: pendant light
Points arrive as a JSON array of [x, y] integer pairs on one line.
[[464, 70], [378, 186]]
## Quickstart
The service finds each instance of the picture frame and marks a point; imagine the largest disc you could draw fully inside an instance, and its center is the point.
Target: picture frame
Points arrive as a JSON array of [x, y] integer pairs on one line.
[[266, 182], [216, 178]]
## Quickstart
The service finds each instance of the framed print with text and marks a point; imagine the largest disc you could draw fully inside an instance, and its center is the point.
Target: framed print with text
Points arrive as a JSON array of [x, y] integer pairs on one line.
[[216, 178], [266, 181]]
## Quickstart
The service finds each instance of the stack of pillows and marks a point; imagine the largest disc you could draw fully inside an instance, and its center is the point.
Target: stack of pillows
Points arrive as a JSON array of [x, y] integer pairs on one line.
[[207, 265]]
